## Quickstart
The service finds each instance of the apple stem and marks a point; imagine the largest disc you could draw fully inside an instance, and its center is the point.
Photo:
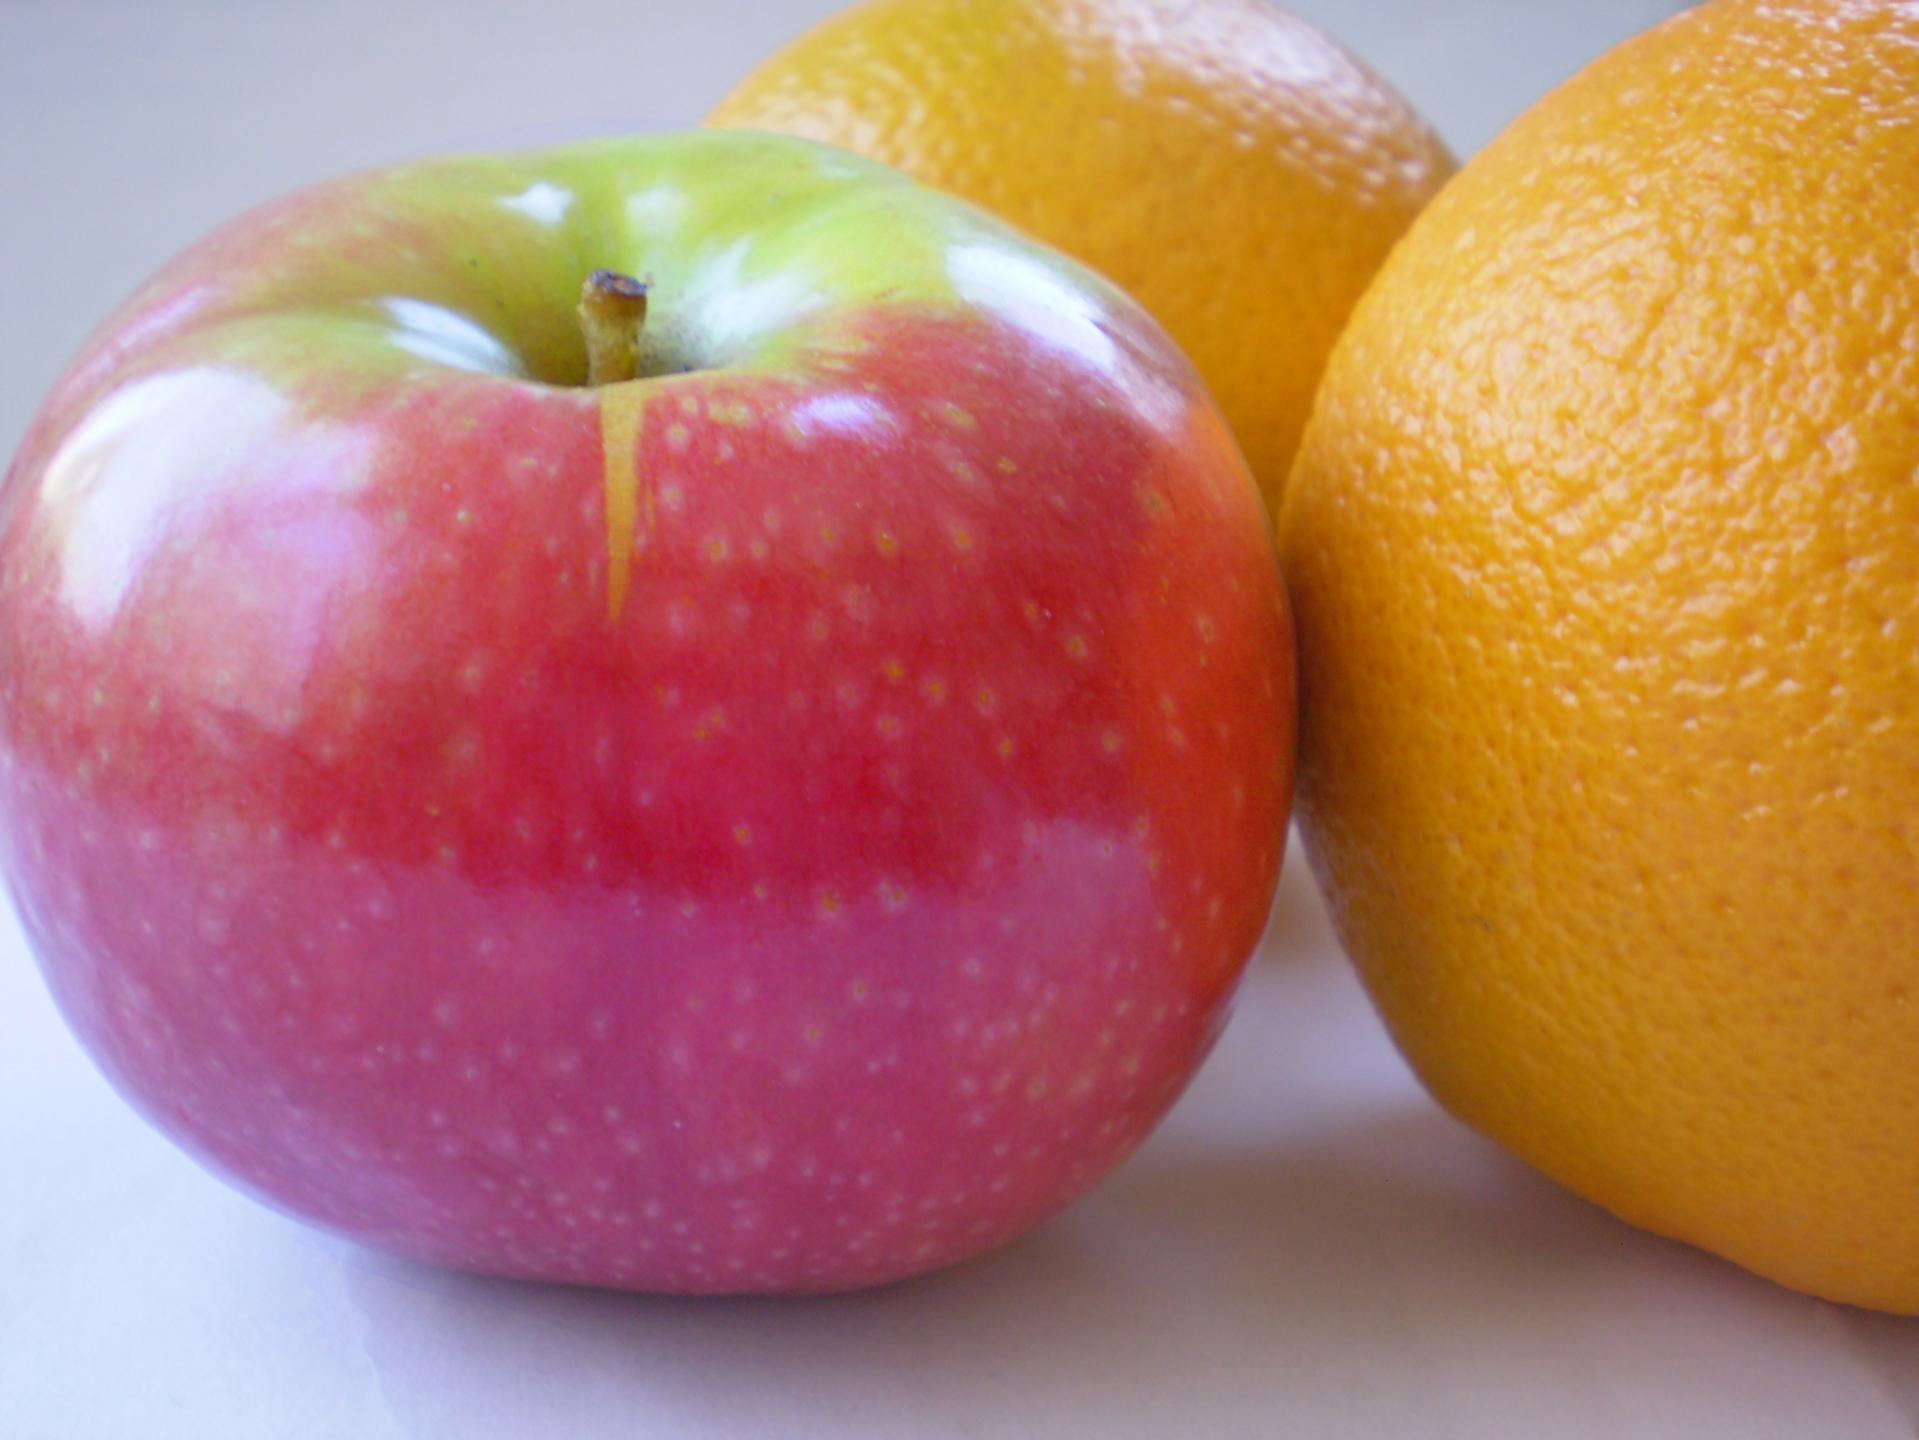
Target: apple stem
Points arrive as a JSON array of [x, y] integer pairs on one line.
[[612, 314]]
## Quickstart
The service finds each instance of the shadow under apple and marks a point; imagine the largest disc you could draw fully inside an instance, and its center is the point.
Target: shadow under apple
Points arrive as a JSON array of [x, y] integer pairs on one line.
[[1344, 1279]]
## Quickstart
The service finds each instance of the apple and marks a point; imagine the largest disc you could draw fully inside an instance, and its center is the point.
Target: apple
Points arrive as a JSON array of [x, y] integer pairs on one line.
[[679, 713]]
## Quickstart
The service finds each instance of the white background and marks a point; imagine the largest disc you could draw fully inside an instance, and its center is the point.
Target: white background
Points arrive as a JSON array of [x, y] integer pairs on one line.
[[1307, 1248]]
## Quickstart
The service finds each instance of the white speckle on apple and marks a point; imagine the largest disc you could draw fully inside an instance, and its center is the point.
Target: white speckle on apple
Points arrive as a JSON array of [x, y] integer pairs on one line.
[[727, 309], [542, 202], [865, 418], [447, 337], [657, 211], [953, 415]]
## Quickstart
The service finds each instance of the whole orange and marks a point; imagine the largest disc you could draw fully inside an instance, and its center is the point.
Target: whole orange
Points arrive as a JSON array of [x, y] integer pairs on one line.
[[1228, 164], [1604, 542]]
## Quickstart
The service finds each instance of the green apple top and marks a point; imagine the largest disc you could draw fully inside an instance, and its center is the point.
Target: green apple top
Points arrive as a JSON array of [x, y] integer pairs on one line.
[[749, 245]]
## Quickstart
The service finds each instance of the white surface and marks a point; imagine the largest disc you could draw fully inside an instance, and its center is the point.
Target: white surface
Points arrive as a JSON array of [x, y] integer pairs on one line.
[[1306, 1248]]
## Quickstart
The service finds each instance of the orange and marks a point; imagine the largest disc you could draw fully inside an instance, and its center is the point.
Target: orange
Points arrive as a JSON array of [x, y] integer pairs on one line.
[[1236, 170], [1604, 542]]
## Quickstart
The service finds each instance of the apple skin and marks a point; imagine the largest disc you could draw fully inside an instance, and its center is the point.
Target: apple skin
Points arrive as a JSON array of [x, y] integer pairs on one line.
[[781, 825]]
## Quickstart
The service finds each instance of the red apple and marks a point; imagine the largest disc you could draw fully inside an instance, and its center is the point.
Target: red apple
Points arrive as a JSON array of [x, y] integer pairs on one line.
[[784, 822]]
